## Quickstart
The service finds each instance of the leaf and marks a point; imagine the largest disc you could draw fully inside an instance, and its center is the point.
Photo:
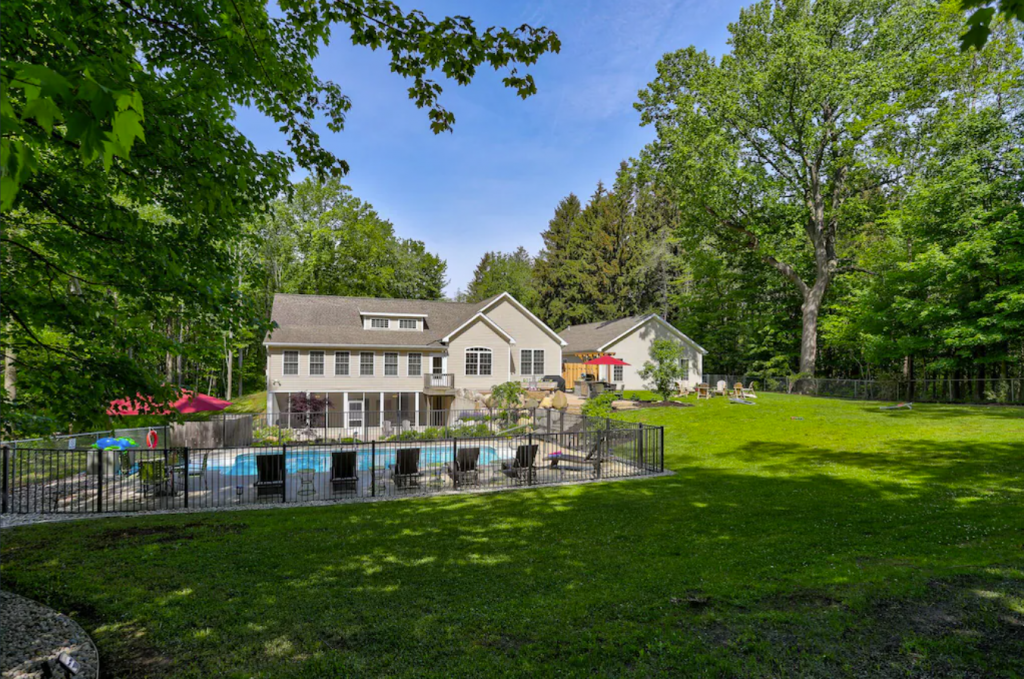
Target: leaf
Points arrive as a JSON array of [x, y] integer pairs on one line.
[[44, 110], [128, 128], [49, 81]]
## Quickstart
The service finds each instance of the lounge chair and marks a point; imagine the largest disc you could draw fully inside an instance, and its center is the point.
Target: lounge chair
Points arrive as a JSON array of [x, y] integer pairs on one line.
[[153, 475], [463, 470], [580, 463], [343, 471], [703, 391], [270, 475], [199, 469], [406, 470], [521, 468]]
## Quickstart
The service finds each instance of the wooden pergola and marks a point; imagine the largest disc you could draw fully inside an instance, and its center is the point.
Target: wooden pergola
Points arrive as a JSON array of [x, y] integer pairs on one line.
[[572, 372]]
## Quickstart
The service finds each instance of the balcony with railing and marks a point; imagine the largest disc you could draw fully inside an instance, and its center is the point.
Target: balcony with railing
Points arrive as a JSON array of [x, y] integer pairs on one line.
[[438, 383]]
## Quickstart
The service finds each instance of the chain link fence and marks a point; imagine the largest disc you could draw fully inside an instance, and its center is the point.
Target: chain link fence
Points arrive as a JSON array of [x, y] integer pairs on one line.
[[995, 391]]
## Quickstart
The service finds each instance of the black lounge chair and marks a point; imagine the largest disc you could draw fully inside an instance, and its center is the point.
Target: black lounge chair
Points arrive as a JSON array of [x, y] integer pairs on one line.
[[406, 470], [463, 470], [580, 463], [270, 475], [343, 471], [521, 468]]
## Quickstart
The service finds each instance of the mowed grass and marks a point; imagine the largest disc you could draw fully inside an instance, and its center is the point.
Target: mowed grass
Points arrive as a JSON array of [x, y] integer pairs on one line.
[[851, 542]]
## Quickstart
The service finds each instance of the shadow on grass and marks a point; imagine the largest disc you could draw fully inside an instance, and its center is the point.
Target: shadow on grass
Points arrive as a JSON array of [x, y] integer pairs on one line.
[[712, 571]]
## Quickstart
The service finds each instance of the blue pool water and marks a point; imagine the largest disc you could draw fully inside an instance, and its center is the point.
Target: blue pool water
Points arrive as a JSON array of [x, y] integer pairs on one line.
[[244, 464]]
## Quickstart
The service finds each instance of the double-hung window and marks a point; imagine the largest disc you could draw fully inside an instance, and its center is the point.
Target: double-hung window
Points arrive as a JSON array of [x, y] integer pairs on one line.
[[366, 364], [291, 363], [478, 361], [390, 364], [415, 367], [316, 363], [531, 361], [341, 359], [379, 323]]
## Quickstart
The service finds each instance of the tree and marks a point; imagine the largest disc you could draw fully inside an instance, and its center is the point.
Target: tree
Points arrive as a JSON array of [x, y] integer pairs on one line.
[[665, 368], [108, 109], [500, 272], [775, 147]]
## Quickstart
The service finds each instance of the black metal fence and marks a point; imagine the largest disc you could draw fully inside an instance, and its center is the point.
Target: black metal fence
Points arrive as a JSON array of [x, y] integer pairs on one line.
[[553, 447], [1001, 391]]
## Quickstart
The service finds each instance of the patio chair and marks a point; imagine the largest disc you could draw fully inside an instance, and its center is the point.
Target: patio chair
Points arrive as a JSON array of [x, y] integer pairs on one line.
[[722, 388], [463, 470], [343, 471], [737, 390], [270, 475], [406, 470], [153, 476], [592, 461], [521, 468], [703, 391], [199, 469], [125, 464]]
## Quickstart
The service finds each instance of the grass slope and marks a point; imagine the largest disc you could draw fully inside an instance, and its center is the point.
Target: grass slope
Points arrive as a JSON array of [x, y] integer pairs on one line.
[[853, 542]]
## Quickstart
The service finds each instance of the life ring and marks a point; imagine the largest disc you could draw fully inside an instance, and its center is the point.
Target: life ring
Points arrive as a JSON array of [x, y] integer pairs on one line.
[[152, 439]]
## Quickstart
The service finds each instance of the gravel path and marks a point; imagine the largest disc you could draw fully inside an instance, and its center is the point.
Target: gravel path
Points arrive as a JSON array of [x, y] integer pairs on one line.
[[31, 633]]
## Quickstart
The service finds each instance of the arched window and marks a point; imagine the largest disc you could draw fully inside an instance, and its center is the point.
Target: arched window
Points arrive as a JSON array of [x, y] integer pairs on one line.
[[478, 361]]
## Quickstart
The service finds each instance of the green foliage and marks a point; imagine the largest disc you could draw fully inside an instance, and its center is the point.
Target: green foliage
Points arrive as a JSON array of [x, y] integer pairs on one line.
[[599, 406], [979, 23], [499, 272], [665, 368], [323, 240], [507, 395], [895, 532]]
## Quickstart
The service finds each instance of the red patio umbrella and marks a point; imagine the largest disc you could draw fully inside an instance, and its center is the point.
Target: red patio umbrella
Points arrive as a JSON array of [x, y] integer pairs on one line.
[[606, 360], [188, 403]]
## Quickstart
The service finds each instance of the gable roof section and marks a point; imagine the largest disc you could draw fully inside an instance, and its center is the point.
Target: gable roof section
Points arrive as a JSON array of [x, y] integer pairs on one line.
[[482, 318], [602, 334], [327, 320], [493, 301]]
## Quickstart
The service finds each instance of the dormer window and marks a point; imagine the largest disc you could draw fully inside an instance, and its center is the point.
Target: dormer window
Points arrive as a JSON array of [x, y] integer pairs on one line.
[[380, 323], [392, 320], [407, 324]]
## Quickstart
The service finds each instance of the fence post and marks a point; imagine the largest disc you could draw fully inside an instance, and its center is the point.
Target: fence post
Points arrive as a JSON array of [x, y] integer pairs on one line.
[[99, 481], [373, 469], [529, 472], [7, 452], [284, 473], [184, 455]]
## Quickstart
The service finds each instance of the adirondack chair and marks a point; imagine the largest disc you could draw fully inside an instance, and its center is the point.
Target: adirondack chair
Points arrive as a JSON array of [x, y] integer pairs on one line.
[[521, 468], [406, 470], [703, 391], [463, 470]]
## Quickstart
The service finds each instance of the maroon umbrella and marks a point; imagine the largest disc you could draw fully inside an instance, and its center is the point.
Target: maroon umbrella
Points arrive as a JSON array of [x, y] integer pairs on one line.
[[606, 360], [189, 402]]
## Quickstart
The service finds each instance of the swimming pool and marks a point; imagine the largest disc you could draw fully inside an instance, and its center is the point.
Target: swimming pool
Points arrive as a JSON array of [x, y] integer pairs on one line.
[[244, 464]]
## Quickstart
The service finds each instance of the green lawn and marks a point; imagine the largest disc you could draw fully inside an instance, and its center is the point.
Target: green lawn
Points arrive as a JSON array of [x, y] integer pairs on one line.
[[852, 542]]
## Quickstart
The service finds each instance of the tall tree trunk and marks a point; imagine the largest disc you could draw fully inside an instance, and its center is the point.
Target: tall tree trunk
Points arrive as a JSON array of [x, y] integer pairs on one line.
[[810, 309], [240, 392], [10, 375], [227, 390]]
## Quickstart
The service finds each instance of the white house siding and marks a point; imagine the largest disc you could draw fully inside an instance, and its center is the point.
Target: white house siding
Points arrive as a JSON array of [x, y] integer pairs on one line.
[[329, 382], [478, 334], [528, 335], [634, 349]]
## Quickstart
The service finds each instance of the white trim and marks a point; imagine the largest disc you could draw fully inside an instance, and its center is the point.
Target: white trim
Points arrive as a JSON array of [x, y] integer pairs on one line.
[[343, 345], [518, 305], [661, 320], [373, 372], [543, 364], [390, 314], [479, 316], [298, 363], [478, 348]]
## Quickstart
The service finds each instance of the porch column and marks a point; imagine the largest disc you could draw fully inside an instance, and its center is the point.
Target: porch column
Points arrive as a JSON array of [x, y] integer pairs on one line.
[[416, 398], [344, 408], [380, 423]]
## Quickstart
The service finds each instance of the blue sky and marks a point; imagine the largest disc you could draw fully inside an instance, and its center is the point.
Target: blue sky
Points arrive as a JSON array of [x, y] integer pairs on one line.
[[494, 182]]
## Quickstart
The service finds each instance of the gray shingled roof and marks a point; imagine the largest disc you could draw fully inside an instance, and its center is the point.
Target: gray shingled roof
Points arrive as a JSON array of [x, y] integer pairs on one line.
[[321, 319], [593, 336]]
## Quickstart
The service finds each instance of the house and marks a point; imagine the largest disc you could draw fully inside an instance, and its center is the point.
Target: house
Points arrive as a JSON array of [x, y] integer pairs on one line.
[[382, 362], [628, 339]]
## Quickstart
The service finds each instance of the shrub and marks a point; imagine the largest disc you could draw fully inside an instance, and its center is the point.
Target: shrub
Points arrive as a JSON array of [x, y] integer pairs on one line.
[[599, 406], [665, 367]]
